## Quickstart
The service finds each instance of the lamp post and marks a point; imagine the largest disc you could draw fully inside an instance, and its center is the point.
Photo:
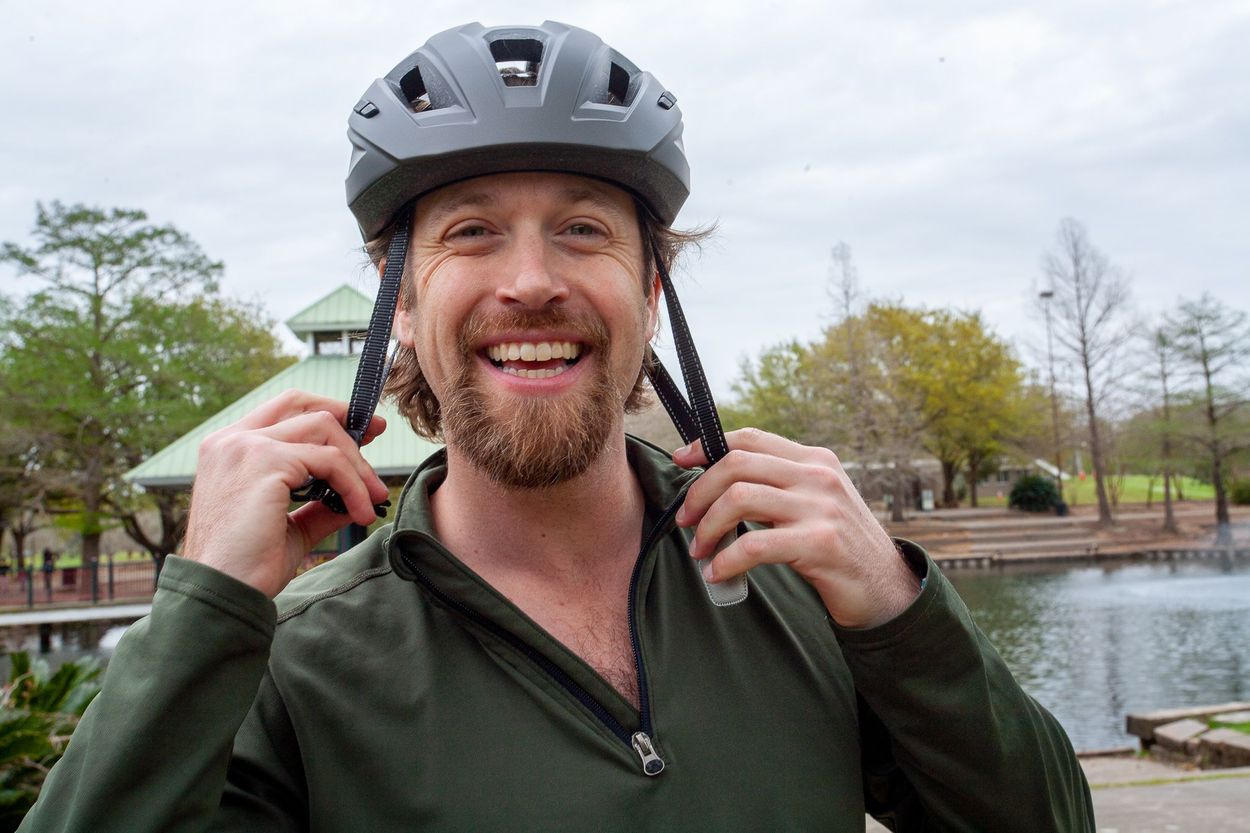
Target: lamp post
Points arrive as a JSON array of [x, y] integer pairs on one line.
[[1046, 295]]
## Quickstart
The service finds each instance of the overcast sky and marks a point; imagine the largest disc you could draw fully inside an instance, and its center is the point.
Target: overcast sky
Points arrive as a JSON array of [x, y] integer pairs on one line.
[[942, 141]]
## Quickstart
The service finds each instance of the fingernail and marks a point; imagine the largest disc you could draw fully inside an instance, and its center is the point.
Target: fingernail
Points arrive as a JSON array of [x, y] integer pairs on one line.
[[694, 545], [707, 572], [685, 449]]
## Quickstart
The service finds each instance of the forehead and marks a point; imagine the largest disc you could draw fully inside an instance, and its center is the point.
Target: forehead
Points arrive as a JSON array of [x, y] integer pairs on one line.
[[528, 189]]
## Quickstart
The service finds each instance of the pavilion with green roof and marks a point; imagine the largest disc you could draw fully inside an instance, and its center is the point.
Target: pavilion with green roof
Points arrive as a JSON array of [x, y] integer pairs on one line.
[[333, 329]]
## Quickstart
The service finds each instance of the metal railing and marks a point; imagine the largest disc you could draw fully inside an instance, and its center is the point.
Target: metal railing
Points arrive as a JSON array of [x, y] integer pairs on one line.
[[100, 582], [90, 583]]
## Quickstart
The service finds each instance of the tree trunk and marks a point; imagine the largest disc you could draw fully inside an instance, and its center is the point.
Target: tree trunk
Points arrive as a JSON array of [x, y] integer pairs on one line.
[[1104, 504], [1223, 523], [19, 547], [949, 469], [92, 504], [1169, 517], [900, 491]]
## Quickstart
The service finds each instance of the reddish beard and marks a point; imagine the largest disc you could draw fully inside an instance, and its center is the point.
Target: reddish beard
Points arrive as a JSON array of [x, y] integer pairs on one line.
[[532, 442]]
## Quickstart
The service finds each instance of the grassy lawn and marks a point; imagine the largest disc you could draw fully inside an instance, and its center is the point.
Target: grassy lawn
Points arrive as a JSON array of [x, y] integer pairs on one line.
[[1134, 489]]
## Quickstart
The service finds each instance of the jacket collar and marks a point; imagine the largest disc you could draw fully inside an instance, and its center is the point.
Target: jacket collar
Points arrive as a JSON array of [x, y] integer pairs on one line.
[[413, 532]]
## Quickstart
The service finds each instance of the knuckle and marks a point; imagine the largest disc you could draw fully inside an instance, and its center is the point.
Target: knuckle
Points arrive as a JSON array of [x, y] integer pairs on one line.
[[740, 492], [751, 546], [288, 397], [752, 434]]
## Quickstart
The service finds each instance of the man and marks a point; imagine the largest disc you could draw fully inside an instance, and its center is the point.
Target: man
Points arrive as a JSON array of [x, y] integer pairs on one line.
[[530, 645]]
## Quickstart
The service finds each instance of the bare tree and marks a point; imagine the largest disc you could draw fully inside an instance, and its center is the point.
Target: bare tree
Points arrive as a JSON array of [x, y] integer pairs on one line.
[[1164, 353], [1215, 344], [844, 290], [1090, 309]]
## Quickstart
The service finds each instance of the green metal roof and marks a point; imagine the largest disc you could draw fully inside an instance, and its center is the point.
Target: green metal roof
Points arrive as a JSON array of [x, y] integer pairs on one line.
[[394, 454], [343, 309]]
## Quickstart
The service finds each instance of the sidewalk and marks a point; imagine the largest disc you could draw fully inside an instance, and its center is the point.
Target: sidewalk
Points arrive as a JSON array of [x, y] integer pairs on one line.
[[1134, 795]]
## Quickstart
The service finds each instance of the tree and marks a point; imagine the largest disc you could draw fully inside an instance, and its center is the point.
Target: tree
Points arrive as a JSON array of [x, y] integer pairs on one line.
[[1214, 343], [976, 399], [1090, 306], [123, 347]]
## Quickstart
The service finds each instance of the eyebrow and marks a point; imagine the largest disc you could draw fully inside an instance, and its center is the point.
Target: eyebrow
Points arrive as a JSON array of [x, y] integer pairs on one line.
[[477, 199]]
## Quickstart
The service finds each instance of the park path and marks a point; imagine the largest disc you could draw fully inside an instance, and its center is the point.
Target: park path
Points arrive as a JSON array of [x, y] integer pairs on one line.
[[1132, 795]]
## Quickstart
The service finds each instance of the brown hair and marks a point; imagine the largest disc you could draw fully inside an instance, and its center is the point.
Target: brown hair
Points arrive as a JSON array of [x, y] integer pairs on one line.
[[410, 390]]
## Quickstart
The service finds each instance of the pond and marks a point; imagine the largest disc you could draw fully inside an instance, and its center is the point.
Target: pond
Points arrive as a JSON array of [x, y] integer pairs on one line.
[[1094, 643], [1091, 643]]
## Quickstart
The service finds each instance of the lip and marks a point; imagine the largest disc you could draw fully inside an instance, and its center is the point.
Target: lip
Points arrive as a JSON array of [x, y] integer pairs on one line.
[[526, 386]]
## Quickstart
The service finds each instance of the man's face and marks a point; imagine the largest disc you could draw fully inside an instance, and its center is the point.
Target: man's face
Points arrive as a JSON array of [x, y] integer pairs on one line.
[[530, 319]]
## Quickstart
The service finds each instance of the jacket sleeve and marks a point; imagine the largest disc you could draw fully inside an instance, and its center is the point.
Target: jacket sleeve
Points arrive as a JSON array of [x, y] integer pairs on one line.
[[950, 741], [152, 751]]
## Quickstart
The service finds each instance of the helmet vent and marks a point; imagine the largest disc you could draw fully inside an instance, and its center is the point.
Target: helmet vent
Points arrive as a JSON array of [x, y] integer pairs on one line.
[[618, 85], [517, 60], [413, 87]]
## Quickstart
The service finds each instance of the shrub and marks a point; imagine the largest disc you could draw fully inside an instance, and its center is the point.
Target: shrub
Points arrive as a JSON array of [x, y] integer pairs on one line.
[[1033, 493], [1239, 492], [38, 711]]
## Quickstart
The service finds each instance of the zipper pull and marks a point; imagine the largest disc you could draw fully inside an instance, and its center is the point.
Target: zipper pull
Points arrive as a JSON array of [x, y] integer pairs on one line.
[[652, 764]]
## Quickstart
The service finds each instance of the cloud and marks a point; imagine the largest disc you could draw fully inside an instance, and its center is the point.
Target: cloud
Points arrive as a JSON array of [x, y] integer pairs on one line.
[[944, 143]]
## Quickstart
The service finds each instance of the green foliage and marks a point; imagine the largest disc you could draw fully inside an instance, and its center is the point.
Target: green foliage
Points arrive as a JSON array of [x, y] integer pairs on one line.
[[122, 346], [1033, 493], [1239, 492], [888, 382], [38, 712]]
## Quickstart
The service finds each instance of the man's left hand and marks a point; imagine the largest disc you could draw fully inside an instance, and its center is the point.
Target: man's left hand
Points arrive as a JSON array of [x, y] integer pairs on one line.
[[816, 522]]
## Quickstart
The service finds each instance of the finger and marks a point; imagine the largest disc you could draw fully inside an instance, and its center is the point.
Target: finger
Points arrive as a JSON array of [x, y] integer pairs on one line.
[[316, 522], [744, 502], [737, 466], [376, 426], [289, 404], [329, 464], [321, 428], [759, 546], [754, 439]]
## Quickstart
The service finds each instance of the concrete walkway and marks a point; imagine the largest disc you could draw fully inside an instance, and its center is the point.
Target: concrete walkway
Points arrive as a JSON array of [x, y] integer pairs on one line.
[[1134, 795]]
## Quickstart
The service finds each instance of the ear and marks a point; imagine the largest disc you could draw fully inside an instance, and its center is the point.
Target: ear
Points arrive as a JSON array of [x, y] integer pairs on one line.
[[402, 329], [653, 308]]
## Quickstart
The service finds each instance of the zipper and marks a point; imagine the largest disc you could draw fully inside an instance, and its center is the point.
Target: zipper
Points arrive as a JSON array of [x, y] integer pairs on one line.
[[641, 741]]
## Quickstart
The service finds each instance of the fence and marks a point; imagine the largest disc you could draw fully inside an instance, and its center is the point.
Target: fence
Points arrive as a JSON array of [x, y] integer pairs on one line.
[[92, 583]]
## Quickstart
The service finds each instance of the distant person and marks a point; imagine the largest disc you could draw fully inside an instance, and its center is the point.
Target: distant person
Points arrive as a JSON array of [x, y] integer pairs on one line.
[[532, 644]]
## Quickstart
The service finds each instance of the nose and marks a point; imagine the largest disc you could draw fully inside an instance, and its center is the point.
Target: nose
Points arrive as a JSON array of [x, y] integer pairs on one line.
[[531, 276]]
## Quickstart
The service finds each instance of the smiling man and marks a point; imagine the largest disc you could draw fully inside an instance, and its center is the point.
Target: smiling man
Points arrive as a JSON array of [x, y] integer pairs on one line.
[[531, 643]]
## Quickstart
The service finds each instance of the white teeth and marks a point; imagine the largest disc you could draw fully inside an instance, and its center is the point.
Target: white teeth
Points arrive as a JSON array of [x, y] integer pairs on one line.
[[527, 351], [545, 373]]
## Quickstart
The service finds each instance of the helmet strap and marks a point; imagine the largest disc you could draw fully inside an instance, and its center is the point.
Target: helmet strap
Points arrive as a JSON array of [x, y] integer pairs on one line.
[[374, 364]]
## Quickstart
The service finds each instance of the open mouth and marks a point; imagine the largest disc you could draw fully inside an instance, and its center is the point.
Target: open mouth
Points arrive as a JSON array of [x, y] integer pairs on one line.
[[534, 359]]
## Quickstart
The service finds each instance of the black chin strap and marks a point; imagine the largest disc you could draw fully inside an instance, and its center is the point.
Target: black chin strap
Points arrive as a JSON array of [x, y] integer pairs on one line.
[[696, 419], [374, 365]]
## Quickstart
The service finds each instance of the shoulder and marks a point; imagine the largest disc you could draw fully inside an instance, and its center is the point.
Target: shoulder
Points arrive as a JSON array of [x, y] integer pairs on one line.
[[348, 574]]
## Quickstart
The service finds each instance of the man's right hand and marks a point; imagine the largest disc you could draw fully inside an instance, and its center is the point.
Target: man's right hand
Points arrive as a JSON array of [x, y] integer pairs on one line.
[[239, 522]]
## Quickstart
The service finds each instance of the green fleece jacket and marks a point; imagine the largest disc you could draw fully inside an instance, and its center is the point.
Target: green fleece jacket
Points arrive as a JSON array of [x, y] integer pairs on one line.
[[393, 689]]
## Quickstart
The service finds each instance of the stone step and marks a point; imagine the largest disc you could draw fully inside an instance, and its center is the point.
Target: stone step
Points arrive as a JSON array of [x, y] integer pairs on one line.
[[1058, 545]]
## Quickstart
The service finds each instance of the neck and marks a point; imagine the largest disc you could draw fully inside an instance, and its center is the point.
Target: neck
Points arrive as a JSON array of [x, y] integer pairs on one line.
[[578, 530]]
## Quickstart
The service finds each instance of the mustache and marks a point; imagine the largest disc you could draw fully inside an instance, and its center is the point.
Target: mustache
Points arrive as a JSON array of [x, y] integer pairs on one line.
[[590, 330]]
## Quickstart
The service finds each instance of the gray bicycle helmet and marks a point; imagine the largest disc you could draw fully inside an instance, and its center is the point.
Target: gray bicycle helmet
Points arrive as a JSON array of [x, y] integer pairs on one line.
[[476, 100]]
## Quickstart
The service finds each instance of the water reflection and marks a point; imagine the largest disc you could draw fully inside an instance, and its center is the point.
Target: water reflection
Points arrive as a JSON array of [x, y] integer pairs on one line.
[[1094, 643]]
